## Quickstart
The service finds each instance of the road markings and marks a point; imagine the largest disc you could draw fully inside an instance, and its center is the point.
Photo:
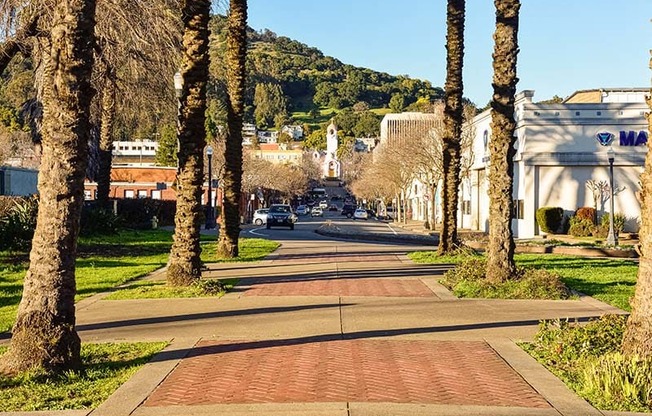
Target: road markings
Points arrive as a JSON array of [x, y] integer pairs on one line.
[[259, 234]]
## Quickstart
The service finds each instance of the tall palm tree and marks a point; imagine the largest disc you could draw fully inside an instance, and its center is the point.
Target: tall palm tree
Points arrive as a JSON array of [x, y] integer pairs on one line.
[[500, 251], [453, 120], [638, 335], [184, 266], [44, 333], [236, 53]]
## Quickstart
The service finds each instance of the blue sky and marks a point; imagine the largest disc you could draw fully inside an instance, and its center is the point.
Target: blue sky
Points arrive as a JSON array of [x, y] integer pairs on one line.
[[566, 45]]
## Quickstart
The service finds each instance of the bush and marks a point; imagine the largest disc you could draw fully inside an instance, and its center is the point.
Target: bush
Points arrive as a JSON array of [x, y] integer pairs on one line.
[[586, 213], [138, 213], [467, 279], [619, 382], [550, 219], [580, 227], [587, 358], [18, 225], [99, 221], [619, 222]]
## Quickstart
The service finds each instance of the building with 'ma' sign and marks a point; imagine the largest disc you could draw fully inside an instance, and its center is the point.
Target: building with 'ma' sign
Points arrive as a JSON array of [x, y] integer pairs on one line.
[[559, 147]]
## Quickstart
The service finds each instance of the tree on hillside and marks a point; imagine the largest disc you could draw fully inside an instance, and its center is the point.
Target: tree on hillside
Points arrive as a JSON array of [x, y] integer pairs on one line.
[[166, 154], [236, 52], [44, 336], [451, 149], [500, 250], [638, 335], [184, 264], [269, 102]]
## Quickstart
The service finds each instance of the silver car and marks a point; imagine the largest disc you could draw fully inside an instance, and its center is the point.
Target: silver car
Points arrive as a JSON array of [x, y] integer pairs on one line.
[[260, 216]]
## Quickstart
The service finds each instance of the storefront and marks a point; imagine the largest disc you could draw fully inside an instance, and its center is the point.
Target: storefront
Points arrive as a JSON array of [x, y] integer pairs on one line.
[[559, 150]]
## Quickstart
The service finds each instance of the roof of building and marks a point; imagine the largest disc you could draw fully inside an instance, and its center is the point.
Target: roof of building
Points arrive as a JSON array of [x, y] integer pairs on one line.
[[598, 95]]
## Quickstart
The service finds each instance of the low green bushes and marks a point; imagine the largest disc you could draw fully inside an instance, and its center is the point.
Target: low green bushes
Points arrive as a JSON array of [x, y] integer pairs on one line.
[[587, 359], [550, 219], [468, 279], [17, 223]]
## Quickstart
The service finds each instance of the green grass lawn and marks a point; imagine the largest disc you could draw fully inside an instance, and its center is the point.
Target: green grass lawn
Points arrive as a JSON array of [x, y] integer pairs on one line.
[[106, 367], [148, 289], [609, 280], [108, 261]]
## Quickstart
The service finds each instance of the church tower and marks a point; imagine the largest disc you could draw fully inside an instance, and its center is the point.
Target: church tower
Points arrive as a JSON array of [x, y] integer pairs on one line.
[[331, 164]]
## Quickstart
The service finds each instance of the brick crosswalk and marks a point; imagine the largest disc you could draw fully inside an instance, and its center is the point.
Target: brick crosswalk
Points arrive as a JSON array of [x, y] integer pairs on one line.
[[312, 371], [322, 258], [341, 287]]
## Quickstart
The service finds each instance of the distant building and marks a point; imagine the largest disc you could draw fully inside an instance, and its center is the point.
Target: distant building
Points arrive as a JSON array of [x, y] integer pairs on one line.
[[278, 154], [265, 136], [296, 131], [134, 152], [18, 181], [399, 127], [249, 133], [365, 144]]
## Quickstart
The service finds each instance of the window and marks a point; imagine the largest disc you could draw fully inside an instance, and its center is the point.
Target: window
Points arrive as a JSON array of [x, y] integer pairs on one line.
[[466, 207], [599, 113], [142, 193], [129, 193], [577, 113], [156, 194], [518, 209]]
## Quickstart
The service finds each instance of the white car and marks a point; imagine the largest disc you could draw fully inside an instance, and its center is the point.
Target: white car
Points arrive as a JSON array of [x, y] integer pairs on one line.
[[260, 216], [360, 214], [323, 204], [317, 212], [303, 210]]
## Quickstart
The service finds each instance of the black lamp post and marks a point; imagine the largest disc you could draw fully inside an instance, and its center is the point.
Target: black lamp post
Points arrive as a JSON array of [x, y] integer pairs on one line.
[[612, 240], [209, 214]]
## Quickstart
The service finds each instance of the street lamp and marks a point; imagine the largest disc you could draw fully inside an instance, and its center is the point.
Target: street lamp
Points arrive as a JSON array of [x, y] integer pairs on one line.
[[209, 214], [612, 240]]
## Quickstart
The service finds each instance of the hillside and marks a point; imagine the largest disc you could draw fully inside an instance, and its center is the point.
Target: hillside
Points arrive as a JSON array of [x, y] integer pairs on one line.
[[309, 80]]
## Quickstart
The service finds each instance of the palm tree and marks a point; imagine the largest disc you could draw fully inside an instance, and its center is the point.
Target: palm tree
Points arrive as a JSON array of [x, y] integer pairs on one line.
[[44, 333], [638, 335], [184, 266], [500, 251], [452, 124], [236, 53]]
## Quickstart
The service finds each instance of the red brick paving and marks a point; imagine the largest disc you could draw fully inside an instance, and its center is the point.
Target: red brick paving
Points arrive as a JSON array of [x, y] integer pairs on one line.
[[336, 257], [342, 287], [394, 371]]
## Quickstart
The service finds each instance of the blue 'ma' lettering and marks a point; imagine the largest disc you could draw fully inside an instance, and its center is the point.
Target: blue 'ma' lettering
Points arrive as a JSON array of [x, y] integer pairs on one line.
[[627, 138], [642, 138]]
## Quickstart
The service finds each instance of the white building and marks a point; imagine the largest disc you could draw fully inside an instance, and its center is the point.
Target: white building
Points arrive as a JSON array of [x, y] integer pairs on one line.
[[557, 152]]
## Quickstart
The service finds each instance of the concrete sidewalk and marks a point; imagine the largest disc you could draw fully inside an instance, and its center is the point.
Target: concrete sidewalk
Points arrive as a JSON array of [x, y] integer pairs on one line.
[[335, 328]]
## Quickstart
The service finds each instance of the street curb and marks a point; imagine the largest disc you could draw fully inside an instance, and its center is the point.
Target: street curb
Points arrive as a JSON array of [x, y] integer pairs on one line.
[[543, 381], [405, 239], [135, 391]]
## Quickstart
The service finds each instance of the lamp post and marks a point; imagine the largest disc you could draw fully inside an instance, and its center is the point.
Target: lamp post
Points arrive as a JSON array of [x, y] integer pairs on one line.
[[209, 214], [612, 240]]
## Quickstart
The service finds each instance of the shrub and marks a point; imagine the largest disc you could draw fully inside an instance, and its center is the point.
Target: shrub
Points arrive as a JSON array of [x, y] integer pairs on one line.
[[615, 381], [18, 225], [550, 219], [580, 227], [586, 213], [468, 280], [138, 213], [99, 221], [619, 222]]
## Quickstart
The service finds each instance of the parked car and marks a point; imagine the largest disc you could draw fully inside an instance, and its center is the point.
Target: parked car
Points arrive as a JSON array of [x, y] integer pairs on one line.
[[371, 213], [348, 210], [260, 216], [332, 207], [323, 204], [281, 215], [317, 212], [303, 210], [360, 214]]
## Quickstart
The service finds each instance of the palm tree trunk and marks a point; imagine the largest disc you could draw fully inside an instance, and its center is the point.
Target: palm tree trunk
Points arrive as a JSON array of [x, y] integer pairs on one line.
[[44, 333], [236, 53], [638, 335], [452, 125], [500, 250], [184, 265], [106, 139]]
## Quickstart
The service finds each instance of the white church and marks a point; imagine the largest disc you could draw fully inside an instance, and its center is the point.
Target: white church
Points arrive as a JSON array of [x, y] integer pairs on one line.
[[330, 164]]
